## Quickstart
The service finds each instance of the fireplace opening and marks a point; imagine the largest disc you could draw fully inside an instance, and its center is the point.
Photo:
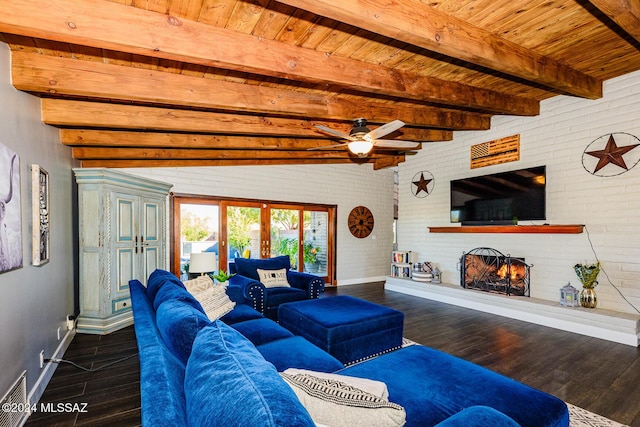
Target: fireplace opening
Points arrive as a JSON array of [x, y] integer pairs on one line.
[[487, 269]]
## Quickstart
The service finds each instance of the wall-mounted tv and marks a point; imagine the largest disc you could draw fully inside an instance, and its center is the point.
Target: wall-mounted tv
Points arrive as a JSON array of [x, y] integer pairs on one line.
[[500, 198]]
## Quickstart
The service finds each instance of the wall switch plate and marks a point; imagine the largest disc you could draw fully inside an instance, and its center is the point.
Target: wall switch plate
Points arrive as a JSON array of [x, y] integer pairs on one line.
[[41, 359]]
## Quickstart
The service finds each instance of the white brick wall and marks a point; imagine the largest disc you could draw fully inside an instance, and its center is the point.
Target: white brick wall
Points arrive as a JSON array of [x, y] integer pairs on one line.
[[347, 186], [609, 207]]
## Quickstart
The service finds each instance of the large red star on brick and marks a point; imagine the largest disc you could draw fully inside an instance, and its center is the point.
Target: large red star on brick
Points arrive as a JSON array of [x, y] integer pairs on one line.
[[422, 184], [611, 154]]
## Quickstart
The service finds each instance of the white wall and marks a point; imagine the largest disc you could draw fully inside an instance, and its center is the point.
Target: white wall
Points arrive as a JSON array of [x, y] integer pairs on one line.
[[347, 186], [35, 300], [556, 138]]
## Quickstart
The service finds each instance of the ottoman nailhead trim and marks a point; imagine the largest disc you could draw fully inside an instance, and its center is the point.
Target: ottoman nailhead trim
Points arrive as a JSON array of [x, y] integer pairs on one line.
[[373, 355]]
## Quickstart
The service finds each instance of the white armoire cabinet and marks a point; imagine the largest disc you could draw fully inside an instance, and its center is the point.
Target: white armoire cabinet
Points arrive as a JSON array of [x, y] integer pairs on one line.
[[122, 227]]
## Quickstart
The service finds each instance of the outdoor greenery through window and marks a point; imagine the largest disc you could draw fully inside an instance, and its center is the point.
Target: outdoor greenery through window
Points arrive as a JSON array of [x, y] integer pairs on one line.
[[234, 228]]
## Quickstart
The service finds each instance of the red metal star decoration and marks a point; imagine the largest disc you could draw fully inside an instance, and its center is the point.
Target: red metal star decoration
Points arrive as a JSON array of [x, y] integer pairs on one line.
[[422, 184], [611, 154]]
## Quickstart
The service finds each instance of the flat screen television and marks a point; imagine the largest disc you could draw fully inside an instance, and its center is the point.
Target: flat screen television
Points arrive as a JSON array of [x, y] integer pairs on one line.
[[501, 198]]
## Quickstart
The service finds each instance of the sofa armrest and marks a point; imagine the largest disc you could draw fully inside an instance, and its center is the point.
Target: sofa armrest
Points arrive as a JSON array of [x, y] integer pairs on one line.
[[308, 282], [244, 290]]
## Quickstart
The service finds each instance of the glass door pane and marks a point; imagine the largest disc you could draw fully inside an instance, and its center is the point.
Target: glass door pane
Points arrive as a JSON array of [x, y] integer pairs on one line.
[[243, 232], [198, 232], [316, 242], [285, 230]]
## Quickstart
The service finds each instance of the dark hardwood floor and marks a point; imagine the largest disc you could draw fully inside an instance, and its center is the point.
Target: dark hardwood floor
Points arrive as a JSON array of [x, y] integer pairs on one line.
[[597, 375]]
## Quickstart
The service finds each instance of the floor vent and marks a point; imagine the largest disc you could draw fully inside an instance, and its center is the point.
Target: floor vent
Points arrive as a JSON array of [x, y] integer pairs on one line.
[[14, 404]]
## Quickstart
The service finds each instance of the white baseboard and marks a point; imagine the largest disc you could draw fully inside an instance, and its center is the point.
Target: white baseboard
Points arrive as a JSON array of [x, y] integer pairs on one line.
[[49, 368], [361, 280]]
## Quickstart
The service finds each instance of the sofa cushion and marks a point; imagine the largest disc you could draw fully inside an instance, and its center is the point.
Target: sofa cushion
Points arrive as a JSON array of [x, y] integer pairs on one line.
[[261, 331], [248, 267], [339, 404], [273, 278], [296, 352], [159, 278], [179, 323], [227, 383], [171, 290], [442, 385], [478, 416], [240, 313]]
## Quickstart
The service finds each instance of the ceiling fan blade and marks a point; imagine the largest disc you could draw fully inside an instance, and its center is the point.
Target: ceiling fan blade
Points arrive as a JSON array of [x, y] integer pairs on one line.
[[391, 143], [334, 132], [326, 147], [385, 129]]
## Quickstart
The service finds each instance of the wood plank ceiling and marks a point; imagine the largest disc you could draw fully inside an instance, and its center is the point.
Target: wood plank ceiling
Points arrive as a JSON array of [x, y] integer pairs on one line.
[[144, 83]]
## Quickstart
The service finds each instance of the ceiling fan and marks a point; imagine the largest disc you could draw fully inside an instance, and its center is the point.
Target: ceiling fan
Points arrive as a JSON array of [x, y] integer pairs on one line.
[[361, 139]]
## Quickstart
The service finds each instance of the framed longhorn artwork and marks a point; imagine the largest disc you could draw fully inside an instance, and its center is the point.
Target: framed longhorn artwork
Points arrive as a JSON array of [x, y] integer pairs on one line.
[[10, 215]]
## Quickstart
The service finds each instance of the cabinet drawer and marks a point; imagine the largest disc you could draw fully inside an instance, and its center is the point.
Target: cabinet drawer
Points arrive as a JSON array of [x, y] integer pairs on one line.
[[121, 304]]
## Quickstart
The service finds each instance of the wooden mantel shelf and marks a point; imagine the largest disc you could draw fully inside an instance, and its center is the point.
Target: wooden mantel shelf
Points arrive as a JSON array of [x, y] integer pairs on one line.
[[530, 229]]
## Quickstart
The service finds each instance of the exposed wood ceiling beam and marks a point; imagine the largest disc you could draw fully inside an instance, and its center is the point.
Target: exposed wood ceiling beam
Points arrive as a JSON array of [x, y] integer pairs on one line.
[[232, 162], [102, 138], [115, 153], [62, 76], [69, 113], [625, 13], [417, 23], [117, 27]]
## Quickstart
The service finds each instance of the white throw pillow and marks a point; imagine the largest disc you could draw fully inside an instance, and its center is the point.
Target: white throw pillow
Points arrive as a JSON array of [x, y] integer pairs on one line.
[[339, 404], [198, 284], [377, 388], [215, 301], [273, 278]]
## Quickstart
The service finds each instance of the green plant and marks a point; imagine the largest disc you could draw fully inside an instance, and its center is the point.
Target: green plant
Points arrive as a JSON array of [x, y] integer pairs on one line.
[[240, 221], [289, 246], [222, 276], [311, 252], [588, 273]]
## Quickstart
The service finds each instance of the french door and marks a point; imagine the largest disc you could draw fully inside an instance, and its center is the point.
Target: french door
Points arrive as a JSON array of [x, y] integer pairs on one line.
[[234, 228]]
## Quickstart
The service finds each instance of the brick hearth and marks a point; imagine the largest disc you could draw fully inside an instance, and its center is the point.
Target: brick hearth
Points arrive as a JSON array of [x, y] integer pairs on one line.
[[604, 324]]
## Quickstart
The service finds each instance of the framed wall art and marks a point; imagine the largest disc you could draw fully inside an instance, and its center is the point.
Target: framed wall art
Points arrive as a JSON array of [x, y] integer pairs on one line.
[[40, 215], [10, 215]]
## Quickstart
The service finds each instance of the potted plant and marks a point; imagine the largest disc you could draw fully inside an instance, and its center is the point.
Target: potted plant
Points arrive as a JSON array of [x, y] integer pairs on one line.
[[221, 276], [311, 261], [587, 274]]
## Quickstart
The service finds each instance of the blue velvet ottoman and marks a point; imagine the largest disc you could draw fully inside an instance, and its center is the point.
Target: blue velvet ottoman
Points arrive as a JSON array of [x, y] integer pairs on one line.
[[348, 328]]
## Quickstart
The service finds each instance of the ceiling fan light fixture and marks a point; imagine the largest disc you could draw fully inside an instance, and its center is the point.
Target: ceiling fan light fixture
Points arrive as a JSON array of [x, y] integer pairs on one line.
[[359, 128], [360, 147]]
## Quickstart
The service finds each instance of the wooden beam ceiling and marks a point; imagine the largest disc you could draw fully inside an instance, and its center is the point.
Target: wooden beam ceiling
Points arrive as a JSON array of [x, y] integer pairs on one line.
[[416, 23], [154, 34], [193, 83], [48, 75], [84, 114], [625, 13]]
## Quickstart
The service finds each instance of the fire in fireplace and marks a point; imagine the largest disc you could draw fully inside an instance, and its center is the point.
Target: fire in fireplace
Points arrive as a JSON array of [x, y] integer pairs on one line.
[[489, 270]]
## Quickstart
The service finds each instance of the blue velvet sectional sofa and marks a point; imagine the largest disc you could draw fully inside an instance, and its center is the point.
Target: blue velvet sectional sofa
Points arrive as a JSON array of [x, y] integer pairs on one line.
[[201, 373]]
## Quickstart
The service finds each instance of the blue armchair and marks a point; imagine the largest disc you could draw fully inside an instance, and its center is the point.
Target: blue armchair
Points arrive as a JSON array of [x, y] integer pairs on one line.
[[266, 300]]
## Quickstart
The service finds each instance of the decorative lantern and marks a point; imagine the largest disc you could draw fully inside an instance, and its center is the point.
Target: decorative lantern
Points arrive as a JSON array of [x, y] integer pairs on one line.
[[437, 276], [569, 296]]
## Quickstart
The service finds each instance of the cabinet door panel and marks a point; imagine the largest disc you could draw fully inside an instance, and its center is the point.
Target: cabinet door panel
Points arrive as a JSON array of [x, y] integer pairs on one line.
[[125, 268], [152, 231]]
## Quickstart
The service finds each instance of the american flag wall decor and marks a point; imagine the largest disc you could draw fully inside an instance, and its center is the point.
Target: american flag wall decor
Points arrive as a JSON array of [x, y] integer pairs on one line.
[[494, 152]]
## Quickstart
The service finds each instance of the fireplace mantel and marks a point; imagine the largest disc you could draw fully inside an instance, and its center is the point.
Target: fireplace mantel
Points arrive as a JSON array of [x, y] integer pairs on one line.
[[530, 229]]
